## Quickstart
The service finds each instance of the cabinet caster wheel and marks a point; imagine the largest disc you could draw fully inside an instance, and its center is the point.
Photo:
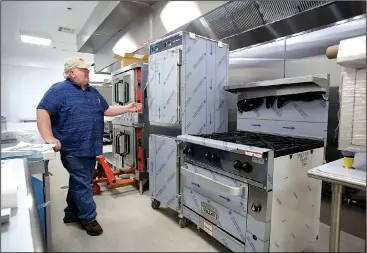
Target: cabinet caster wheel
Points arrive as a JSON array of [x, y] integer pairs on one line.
[[155, 204], [183, 222], [199, 229]]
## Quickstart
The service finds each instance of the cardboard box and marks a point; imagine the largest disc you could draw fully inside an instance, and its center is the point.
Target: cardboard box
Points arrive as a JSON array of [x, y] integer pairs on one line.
[[130, 58]]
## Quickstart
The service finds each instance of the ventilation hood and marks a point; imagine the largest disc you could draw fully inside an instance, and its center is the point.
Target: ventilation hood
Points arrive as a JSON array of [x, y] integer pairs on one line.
[[245, 23], [238, 23], [107, 20]]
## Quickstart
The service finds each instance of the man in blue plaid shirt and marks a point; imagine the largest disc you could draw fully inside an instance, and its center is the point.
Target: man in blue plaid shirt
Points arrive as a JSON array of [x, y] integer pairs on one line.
[[71, 116]]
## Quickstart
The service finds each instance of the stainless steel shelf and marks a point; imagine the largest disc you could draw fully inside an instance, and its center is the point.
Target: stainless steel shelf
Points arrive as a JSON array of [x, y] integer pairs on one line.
[[278, 87]]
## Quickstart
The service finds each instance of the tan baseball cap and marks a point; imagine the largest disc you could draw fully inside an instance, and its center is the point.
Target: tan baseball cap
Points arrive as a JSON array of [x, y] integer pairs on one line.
[[76, 62]]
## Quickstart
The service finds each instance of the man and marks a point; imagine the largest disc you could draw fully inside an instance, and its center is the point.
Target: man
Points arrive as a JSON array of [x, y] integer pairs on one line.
[[71, 116]]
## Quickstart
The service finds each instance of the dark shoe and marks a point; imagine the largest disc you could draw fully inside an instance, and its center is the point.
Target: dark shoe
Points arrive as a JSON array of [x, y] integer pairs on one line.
[[92, 227], [70, 219]]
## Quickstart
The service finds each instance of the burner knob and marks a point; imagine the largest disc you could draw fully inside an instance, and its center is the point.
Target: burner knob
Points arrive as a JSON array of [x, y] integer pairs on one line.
[[247, 167], [190, 151], [256, 207], [185, 150], [208, 156], [215, 158], [237, 165]]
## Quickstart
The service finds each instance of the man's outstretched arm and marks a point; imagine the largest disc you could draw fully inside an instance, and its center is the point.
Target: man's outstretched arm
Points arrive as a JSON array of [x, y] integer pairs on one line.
[[114, 110]]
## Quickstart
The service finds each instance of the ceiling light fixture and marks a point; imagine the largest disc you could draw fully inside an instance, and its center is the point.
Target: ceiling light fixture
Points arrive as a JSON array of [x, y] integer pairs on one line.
[[35, 40]]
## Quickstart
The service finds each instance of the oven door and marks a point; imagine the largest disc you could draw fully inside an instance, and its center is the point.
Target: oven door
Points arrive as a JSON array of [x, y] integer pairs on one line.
[[129, 86], [164, 87], [116, 146], [222, 189], [124, 146], [219, 199], [128, 146]]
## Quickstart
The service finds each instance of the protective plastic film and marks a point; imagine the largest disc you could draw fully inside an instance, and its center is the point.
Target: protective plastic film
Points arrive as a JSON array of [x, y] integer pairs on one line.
[[352, 121], [204, 73]]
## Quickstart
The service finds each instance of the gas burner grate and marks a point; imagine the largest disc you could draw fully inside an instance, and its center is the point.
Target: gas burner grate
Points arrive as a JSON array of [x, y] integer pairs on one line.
[[280, 144]]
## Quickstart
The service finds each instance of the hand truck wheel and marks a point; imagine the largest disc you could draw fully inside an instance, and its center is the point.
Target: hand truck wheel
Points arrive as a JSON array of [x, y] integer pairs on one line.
[[96, 189]]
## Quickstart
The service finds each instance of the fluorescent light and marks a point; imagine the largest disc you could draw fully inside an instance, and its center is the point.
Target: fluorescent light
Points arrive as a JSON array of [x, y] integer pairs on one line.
[[35, 40], [178, 13], [125, 45]]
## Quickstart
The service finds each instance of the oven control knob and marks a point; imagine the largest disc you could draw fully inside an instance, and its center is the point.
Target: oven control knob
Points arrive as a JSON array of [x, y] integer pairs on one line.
[[237, 165], [215, 158], [185, 151], [247, 167], [190, 151], [256, 207], [208, 156]]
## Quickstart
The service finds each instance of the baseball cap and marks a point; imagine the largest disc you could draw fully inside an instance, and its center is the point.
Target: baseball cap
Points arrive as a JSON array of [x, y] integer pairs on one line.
[[76, 62]]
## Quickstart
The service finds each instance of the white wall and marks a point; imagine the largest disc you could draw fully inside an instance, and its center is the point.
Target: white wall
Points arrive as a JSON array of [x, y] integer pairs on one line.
[[22, 87], [25, 79]]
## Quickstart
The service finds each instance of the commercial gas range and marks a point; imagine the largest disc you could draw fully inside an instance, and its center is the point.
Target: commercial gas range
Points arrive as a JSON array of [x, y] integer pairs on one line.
[[131, 130], [249, 189]]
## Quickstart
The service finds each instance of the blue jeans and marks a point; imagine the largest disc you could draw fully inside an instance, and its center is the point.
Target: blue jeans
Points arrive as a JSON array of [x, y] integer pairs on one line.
[[80, 202]]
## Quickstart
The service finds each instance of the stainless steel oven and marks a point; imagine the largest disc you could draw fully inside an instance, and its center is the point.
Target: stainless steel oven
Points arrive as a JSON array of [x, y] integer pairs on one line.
[[124, 87], [127, 82], [131, 130], [124, 146]]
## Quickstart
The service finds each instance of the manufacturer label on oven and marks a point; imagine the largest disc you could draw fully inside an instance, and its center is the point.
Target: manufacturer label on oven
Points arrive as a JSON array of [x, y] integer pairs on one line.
[[258, 160], [207, 227], [253, 154], [209, 212]]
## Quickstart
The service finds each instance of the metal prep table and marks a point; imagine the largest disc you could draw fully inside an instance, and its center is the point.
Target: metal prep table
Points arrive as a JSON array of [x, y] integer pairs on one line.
[[339, 177], [24, 221], [38, 176]]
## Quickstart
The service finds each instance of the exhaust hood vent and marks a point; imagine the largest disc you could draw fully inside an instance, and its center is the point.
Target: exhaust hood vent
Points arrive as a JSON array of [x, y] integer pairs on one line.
[[239, 16], [232, 18], [306, 5]]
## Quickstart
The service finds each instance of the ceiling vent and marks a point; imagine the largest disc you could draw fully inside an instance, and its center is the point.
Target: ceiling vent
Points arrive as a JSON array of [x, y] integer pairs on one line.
[[66, 30]]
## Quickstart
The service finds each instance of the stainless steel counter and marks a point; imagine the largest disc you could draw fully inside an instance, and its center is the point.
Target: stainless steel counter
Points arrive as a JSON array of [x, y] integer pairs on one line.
[[23, 232], [340, 177]]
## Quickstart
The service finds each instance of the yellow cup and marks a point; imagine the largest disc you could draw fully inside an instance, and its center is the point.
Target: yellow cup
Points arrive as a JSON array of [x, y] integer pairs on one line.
[[348, 162]]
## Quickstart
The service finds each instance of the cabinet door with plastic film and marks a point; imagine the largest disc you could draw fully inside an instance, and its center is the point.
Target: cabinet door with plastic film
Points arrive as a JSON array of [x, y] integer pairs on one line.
[[163, 171], [163, 87]]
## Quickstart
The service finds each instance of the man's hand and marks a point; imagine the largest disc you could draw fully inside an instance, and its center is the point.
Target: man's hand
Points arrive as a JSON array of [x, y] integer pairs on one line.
[[133, 107], [114, 110], [55, 141]]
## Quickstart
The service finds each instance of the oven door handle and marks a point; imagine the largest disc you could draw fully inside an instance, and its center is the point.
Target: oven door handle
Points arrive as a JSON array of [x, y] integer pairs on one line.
[[126, 92], [116, 92], [117, 144], [126, 144], [201, 180]]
